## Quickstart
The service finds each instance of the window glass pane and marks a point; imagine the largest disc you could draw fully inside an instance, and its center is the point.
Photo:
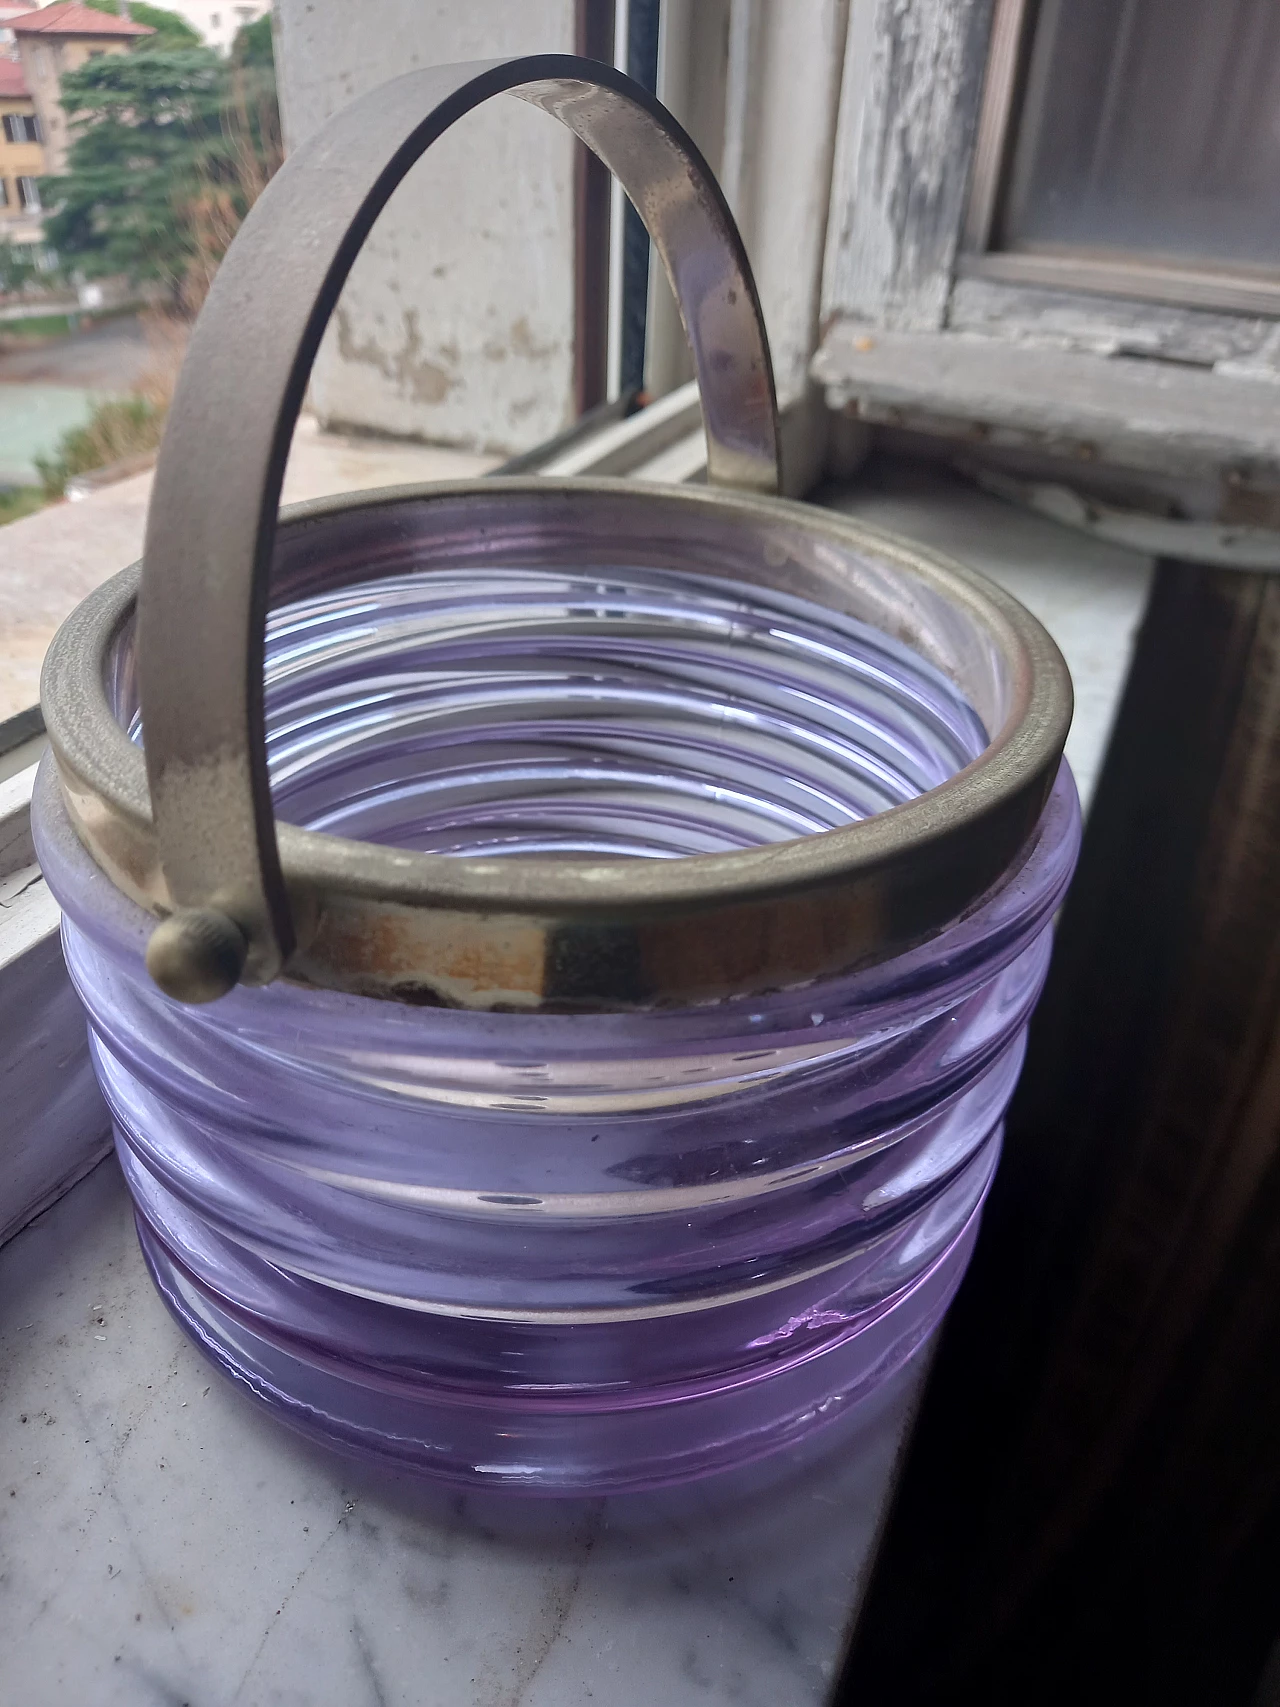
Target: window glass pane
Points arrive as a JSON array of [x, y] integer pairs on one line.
[[1151, 127]]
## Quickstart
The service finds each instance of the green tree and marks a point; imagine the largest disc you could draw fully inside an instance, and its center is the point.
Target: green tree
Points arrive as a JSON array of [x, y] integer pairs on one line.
[[253, 44], [21, 266], [170, 151], [171, 30], [142, 123]]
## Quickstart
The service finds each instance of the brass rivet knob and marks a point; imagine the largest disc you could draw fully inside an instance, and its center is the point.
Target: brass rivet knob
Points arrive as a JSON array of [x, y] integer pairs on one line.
[[197, 954]]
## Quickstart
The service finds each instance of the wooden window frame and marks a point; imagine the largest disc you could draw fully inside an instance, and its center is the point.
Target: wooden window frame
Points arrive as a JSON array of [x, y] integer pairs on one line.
[[1220, 290], [29, 126], [928, 93]]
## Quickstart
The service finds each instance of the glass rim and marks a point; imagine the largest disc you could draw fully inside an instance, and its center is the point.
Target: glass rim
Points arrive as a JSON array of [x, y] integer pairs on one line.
[[498, 934]]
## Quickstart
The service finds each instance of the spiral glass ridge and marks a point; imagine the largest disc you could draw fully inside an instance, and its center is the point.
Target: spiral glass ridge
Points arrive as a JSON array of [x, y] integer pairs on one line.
[[574, 1252]]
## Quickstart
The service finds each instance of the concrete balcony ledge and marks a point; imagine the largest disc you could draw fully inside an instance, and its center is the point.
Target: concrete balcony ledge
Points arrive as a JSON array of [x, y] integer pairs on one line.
[[50, 561]]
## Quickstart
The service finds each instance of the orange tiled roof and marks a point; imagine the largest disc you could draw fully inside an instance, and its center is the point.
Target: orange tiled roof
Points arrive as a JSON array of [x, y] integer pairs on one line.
[[13, 85], [70, 18]]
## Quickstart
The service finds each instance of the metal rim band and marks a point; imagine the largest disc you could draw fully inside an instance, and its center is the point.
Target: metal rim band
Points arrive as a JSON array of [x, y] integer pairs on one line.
[[211, 525], [617, 935]]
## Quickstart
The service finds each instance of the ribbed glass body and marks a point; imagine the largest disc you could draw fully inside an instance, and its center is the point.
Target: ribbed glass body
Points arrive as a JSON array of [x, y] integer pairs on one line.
[[574, 1251]]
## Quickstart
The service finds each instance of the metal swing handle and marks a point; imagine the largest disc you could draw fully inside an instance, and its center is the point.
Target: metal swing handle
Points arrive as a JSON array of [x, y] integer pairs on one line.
[[210, 533]]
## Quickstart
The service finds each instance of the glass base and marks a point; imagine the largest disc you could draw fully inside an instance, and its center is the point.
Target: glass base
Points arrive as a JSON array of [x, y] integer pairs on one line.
[[580, 1444]]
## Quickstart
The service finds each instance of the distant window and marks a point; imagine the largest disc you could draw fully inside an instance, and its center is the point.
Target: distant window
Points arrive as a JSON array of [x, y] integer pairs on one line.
[[4, 192], [1132, 144], [29, 194], [21, 127]]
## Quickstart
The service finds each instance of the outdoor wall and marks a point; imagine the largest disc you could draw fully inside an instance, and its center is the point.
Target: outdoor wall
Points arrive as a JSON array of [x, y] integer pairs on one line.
[[456, 325], [18, 160], [44, 61], [218, 20]]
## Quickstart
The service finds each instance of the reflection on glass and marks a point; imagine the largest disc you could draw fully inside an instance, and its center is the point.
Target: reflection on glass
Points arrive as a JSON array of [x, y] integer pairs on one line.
[[1151, 127]]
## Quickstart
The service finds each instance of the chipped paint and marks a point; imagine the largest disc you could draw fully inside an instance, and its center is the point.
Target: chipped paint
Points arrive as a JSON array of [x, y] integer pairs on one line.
[[456, 325]]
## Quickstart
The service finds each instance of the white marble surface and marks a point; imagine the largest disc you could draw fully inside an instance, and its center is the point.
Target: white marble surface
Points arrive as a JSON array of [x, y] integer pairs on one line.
[[163, 1542]]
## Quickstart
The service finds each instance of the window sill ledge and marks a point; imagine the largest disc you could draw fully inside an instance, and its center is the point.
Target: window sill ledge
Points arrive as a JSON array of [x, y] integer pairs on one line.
[[1129, 412]]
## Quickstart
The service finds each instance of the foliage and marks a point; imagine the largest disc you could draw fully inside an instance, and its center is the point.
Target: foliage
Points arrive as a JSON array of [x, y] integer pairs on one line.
[[119, 427], [171, 150], [253, 44], [19, 501], [171, 30], [142, 121], [20, 267], [42, 326]]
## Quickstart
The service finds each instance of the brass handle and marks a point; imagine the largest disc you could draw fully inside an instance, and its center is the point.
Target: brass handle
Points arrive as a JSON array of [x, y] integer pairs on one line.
[[211, 530]]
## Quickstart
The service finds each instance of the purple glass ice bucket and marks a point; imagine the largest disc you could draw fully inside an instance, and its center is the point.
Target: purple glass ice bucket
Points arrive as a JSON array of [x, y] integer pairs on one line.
[[557, 953]]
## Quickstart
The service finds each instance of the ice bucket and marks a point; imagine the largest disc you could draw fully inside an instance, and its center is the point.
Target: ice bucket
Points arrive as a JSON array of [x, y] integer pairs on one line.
[[557, 952]]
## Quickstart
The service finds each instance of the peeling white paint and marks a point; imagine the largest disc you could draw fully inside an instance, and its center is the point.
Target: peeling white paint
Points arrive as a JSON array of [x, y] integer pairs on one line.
[[456, 325], [912, 80]]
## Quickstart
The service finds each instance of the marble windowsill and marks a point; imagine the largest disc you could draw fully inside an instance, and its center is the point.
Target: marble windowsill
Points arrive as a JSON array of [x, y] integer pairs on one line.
[[162, 1541]]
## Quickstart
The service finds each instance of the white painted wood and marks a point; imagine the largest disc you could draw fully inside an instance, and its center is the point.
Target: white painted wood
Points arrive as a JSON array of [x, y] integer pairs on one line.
[[622, 446], [1107, 325], [1137, 414], [55, 1125], [456, 326], [693, 38], [16, 847], [1222, 545], [1263, 362], [757, 83], [1219, 291], [664, 443], [908, 114], [678, 465], [999, 89], [617, 213], [779, 149]]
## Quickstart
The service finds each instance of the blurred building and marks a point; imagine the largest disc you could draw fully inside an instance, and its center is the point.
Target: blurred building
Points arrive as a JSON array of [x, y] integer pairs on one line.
[[21, 157], [8, 47], [217, 21], [57, 39]]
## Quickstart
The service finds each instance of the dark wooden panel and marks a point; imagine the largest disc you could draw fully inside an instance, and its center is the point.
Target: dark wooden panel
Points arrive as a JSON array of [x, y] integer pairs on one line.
[[591, 190], [1090, 1508]]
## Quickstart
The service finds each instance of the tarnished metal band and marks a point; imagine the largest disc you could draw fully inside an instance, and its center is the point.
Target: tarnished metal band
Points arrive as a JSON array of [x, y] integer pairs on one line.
[[605, 935], [213, 507]]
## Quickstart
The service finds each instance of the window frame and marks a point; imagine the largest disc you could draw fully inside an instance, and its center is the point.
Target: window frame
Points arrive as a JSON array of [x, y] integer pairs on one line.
[[927, 97], [29, 193], [28, 123], [1221, 290]]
